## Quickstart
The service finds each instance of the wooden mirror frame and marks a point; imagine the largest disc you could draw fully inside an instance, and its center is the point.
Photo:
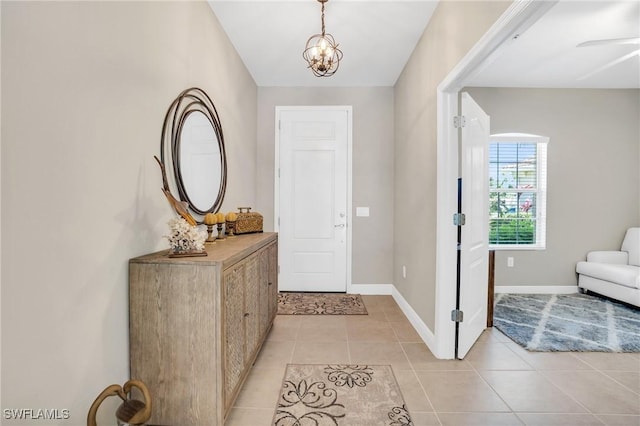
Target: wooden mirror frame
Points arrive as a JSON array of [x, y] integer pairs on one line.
[[190, 100]]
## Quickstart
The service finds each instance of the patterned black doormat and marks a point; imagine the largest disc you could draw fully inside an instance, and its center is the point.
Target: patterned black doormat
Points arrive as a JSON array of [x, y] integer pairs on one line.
[[320, 304], [340, 395], [568, 322]]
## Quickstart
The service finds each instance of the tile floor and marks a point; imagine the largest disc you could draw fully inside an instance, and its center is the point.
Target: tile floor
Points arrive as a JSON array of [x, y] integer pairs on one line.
[[498, 383]]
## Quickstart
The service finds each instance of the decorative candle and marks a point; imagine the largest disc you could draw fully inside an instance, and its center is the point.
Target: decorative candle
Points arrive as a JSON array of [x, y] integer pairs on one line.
[[210, 219]]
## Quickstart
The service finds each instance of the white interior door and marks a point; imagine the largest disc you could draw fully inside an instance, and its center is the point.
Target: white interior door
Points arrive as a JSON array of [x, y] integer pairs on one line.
[[474, 247], [312, 205]]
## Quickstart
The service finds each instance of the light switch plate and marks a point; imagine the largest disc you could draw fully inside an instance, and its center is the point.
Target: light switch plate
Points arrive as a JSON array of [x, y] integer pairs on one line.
[[362, 211]]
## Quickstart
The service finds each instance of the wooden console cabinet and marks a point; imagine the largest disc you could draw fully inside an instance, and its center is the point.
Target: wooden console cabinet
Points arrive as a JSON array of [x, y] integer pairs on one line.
[[196, 325]]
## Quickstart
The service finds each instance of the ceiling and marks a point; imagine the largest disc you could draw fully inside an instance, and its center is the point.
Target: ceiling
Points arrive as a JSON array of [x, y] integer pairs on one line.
[[377, 38], [546, 54]]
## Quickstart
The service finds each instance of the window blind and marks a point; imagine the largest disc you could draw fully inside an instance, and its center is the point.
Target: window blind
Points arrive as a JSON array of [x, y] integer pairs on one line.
[[517, 188]]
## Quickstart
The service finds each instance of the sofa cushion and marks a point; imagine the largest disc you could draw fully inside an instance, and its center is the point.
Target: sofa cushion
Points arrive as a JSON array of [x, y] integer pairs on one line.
[[626, 275], [631, 244]]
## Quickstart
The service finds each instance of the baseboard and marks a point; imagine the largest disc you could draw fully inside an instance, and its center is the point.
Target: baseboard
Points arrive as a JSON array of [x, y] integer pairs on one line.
[[537, 289], [389, 289], [371, 289], [421, 328]]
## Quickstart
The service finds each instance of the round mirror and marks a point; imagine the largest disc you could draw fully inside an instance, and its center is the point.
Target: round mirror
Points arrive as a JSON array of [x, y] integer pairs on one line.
[[199, 160], [192, 147]]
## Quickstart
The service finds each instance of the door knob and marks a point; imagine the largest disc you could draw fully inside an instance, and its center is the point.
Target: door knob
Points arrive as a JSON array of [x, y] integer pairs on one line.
[[340, 225]]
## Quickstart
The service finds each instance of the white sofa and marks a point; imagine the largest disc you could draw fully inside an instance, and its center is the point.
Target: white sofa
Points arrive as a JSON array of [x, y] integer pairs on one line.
[[614, 274]]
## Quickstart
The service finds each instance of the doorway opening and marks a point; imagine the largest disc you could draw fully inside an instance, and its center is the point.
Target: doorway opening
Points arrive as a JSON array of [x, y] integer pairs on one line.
[[517, 18]]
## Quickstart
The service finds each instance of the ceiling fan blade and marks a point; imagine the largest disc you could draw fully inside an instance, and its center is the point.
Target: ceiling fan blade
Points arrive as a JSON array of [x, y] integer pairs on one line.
[[628, 40], [611, 64]]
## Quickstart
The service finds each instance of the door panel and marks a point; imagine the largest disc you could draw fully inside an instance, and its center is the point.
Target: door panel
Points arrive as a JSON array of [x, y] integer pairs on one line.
[[313, 181], [313, 161], [474, 246]]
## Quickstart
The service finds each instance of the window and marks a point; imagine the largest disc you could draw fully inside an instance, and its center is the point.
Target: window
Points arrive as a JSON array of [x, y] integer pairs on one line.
[[517, 191]]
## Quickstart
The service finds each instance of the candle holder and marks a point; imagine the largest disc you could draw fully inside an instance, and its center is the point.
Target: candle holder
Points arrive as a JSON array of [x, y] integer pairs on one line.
[[210, 220], [210, 239], [230, 225], [220, 233]]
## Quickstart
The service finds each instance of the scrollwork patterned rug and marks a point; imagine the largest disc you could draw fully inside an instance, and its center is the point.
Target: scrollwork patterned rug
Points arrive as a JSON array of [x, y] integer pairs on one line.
[[350, 395], [320, 304]]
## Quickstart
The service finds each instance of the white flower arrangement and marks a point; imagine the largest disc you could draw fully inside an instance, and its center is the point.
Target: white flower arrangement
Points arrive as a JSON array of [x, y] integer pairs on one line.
[[184, 237]]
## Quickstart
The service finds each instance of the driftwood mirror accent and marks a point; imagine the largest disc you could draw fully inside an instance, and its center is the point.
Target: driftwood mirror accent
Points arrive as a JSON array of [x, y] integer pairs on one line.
[[192, 150]]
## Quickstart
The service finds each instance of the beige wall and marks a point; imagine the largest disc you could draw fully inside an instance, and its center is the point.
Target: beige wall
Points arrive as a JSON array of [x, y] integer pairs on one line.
[[372, 168], [85, 89], [454, 28], [593, 173]]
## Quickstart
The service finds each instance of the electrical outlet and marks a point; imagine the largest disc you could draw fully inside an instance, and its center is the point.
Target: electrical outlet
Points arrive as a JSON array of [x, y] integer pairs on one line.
[[510, 262], [404, 271]]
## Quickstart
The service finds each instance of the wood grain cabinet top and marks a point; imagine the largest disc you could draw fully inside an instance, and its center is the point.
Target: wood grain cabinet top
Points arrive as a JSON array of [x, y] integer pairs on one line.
[[197, 324]]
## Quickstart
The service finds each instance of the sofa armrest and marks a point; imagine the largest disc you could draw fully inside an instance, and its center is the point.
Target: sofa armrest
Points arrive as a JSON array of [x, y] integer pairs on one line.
[[615, 257]]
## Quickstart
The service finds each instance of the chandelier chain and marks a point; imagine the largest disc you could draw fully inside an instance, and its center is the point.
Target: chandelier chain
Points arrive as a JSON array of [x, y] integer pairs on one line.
[[322, 19]]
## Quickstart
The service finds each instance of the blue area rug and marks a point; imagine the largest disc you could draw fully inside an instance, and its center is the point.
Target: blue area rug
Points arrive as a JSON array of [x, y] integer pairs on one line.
[[568, 322]]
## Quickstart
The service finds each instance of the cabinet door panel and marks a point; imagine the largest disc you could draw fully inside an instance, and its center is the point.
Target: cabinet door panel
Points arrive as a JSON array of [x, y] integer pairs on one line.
[[265, 311], [252, 308], [234, 332], [272, 281]]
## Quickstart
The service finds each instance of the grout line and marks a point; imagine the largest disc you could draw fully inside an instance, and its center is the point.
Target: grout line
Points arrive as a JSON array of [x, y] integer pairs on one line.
[[597, 416], [605, 372], [567, 394], [540, 373], [538, 413], [475, 370], [492, 342], [520, 419], [505, 345], [424, 391], [413, 370], [295, 341]]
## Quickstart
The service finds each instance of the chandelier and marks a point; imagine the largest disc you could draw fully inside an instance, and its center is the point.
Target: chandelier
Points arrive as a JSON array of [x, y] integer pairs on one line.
[[321, 52]]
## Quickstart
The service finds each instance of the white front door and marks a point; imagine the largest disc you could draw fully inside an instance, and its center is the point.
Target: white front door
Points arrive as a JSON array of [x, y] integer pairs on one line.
[[474, 248], [311, 215]]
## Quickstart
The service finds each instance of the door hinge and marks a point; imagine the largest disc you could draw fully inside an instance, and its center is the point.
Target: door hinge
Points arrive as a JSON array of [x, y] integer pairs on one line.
[[459, 219], [278, 268], [459, 121], [456, 315]]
